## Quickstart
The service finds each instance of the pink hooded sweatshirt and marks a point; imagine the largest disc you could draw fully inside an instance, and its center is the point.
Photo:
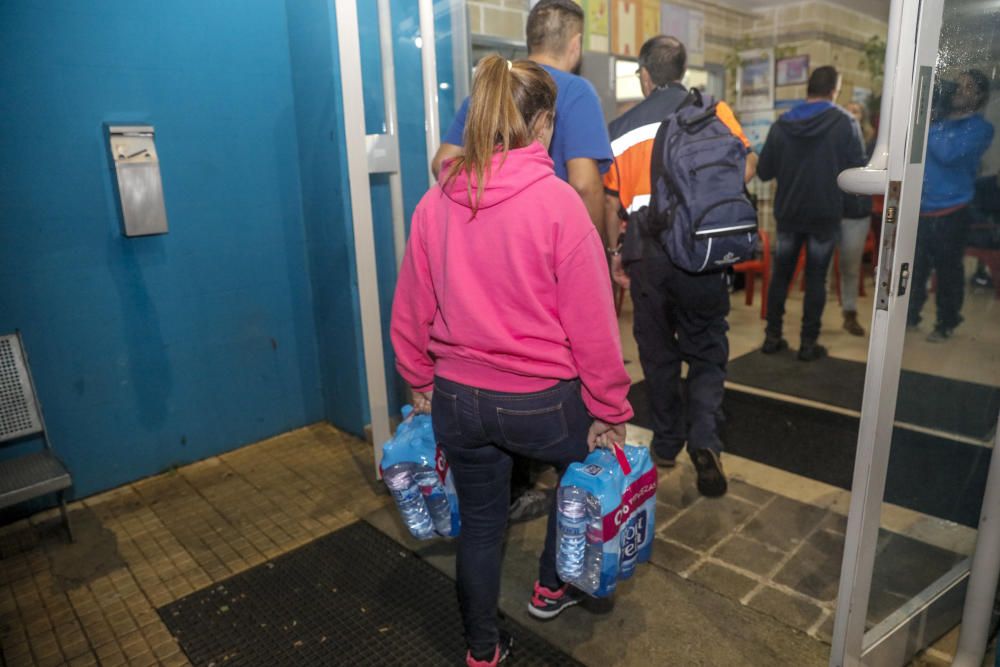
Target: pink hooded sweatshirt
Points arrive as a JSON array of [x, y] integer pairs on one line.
[[514, 299]]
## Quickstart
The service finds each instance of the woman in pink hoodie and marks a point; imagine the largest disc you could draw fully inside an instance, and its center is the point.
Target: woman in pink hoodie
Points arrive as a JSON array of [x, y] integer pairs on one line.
[[503, 322]]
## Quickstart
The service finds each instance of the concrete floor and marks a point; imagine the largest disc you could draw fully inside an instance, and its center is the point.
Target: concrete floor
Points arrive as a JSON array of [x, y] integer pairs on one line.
[[147, 544]]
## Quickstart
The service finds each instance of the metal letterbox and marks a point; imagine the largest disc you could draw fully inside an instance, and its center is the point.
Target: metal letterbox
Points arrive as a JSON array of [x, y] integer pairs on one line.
[[140, 190]]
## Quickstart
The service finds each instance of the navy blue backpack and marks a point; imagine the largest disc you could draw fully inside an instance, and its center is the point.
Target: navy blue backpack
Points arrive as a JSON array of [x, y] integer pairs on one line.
[[700, 210]]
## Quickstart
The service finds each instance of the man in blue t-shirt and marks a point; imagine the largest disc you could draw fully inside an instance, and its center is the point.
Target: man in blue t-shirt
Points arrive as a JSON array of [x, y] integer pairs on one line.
[[580, 147]]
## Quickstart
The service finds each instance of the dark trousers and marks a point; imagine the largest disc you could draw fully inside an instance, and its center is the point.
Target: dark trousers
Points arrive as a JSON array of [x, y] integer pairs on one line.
[[819, 250], [940, 248], [681, 317], [480, 431]]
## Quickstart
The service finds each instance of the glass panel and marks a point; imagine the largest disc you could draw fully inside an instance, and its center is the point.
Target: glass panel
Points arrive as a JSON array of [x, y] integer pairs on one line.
[[949, 386], [412, 136], [627, 88]]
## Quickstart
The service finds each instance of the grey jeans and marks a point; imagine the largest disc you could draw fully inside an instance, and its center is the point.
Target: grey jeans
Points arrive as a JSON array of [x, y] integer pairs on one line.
[[853, 233]]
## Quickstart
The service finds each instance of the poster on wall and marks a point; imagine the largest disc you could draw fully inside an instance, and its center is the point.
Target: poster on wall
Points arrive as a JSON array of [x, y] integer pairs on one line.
[[597, 25], [756, 125], [861, 95], [781, 106], [687, 25], [792, 71], [625, 28], [650, 20], [755, 81]]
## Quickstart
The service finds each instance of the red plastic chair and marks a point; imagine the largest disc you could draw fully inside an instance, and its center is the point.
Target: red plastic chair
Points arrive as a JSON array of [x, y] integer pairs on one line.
[[754, 267]]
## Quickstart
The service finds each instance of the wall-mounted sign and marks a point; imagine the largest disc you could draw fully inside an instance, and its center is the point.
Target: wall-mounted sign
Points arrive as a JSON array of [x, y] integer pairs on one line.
[[626, 30], [687, 25], [650, 20], [781, 106], [755, 81], [756, 125], [596, 25], [791, 71]]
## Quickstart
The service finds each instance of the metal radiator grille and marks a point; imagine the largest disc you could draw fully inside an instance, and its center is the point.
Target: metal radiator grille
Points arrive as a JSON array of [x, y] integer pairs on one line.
[[18, 412]]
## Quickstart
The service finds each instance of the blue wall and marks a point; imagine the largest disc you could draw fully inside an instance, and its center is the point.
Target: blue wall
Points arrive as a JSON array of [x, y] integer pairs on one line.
[[242, 321], [322, 161], [155, 351]]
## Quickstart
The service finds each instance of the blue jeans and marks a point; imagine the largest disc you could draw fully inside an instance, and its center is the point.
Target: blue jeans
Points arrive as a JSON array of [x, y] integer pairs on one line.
[[479, 430], [819, 251], [940, 249]]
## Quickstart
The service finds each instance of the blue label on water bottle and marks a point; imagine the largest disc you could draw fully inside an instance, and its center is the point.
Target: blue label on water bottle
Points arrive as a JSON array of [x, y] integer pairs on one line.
[[632, 539]]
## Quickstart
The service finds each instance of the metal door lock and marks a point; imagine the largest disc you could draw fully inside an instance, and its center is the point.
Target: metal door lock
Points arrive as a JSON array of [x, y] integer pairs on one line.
[[904, 278]]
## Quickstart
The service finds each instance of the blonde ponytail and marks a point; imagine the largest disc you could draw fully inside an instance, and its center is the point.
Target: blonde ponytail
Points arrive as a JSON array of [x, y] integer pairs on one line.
[[506, 100]]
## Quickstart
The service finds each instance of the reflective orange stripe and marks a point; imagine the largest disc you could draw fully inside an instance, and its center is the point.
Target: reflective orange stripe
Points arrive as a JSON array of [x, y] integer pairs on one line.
[[629, 175]]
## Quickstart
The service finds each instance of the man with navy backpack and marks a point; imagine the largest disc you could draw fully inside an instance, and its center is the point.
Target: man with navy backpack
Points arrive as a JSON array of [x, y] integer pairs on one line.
[[680, 315], [805, 150]]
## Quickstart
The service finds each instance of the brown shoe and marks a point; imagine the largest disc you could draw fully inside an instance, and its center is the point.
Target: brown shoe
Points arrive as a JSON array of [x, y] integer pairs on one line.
[[851, 324]]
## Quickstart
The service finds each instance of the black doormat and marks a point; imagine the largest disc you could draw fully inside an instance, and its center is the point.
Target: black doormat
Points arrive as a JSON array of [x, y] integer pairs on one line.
[[932, 475], [354, 597], [952, 406]]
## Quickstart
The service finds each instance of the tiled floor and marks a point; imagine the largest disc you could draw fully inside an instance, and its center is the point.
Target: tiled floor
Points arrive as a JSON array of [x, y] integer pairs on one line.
[[148, 543], [779, 555], [759, 571]]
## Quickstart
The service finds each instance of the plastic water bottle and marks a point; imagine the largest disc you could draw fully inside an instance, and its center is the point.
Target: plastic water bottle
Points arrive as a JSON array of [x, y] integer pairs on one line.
[[571, 532], [399, 479], [590, 580], [435, 498]]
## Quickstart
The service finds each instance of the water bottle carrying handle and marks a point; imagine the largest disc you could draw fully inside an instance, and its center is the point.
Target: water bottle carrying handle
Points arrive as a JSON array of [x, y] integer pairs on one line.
[[622, 460]]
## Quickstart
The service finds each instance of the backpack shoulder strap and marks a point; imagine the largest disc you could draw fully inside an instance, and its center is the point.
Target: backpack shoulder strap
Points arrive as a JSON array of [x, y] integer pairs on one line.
[[692, 99]]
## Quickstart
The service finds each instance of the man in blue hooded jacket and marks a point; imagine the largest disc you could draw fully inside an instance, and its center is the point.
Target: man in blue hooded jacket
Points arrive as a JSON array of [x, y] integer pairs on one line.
[[805, 150], [955, 146]]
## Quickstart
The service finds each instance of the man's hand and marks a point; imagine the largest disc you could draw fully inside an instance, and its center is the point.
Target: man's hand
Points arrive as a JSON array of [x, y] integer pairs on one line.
[[751, 167], [605, 435], [618, 272], [422, 401], [445, 152]]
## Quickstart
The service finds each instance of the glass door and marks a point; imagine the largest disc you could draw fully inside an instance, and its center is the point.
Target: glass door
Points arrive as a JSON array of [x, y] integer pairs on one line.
[[392, 50], [932, 390]]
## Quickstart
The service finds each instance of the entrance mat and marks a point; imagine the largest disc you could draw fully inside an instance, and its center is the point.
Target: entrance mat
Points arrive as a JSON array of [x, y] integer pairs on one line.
[[354, 597], [952, 406], [929, 474]]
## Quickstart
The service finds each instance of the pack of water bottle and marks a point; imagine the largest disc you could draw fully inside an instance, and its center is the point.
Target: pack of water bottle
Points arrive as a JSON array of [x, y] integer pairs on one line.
[[418, 476], [606, 518]]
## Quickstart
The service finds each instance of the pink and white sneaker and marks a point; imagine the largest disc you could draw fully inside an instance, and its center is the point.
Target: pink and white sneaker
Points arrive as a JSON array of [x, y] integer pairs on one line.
[[546, 604], [502, 652]]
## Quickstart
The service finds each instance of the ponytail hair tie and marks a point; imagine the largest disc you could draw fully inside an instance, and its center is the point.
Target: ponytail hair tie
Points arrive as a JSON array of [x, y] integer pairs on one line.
[[510, 65]]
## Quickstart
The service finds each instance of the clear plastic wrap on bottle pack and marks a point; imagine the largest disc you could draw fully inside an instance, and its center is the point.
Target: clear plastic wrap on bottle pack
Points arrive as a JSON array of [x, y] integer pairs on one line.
[[416, 472], [606, 518]]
